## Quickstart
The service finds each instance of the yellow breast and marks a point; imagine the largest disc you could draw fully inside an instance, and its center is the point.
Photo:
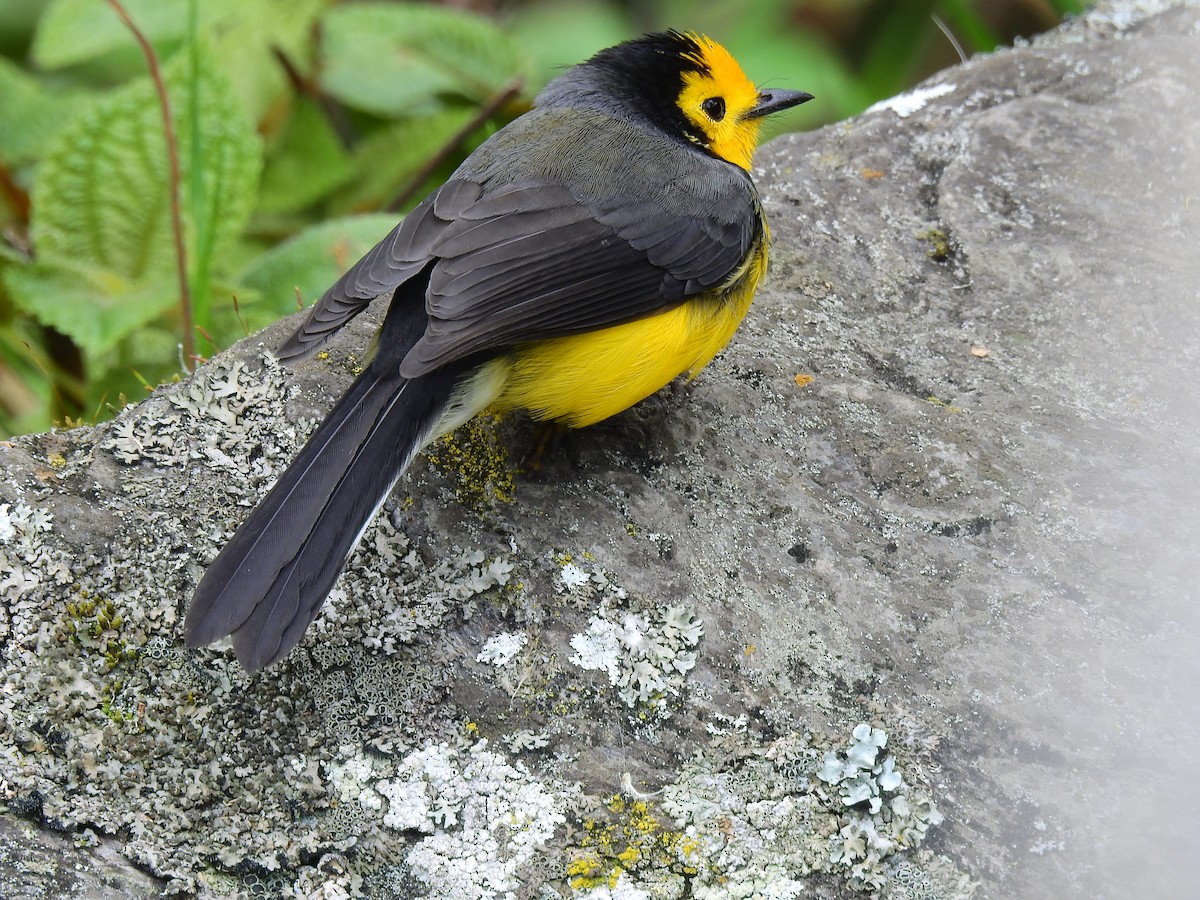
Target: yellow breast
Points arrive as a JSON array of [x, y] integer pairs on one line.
[[584, 378]]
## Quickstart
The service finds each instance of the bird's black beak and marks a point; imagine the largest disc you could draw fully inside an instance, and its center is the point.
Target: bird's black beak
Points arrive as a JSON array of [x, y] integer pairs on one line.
[[775, 101]]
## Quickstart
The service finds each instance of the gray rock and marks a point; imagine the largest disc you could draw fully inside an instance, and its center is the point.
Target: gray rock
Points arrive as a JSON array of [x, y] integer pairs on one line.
[[37, 863], [971, 522]]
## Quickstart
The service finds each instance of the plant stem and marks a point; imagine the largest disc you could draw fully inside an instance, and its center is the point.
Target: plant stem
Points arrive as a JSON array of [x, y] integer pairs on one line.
[[198, 209], [173, 178]]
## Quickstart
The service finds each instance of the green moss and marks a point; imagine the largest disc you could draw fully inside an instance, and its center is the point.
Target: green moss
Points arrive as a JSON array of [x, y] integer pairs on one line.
[[939, 243], [95, 627], [476, 460]]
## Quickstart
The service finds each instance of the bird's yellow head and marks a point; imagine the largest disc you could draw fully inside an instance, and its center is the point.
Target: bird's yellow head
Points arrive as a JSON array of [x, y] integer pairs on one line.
[[719, 101], [692, 87]]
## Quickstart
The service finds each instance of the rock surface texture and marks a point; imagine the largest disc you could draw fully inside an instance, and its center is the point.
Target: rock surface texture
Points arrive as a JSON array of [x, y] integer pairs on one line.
[[898, 598]]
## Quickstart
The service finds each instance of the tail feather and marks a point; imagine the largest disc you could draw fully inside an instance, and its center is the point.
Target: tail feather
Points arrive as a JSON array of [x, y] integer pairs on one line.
[[277, 526], [268, 583]]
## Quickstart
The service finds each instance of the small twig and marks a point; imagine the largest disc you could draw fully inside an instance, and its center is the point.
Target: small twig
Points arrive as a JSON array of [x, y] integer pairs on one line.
[[307, 87], [208, 337], [237, 311], [485, 112], [173, 182], [950, 37]]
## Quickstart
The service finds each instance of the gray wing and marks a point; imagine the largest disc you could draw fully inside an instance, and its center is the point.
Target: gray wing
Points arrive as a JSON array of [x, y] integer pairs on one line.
[[386, 266], [531, 260]]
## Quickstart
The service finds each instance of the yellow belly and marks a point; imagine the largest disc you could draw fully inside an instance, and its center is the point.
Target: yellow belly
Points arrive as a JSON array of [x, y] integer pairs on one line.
[[584, 378]]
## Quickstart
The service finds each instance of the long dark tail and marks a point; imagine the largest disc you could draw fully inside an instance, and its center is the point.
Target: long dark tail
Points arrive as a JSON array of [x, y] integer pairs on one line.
[[268, 583]]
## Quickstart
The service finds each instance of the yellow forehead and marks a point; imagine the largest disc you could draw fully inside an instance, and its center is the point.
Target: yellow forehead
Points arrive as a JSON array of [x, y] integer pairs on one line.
[[723, 76], [734, 136]]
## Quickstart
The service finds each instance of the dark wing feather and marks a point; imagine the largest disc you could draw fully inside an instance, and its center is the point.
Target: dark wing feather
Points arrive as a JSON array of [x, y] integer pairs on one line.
[[529, 259], [386, 266], [533, 262]]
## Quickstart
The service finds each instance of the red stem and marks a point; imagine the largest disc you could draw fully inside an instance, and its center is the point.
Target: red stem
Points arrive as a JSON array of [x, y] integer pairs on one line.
[[174, 181]]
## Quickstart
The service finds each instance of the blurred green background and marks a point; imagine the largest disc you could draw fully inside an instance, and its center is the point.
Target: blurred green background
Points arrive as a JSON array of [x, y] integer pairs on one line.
[[303, 128]]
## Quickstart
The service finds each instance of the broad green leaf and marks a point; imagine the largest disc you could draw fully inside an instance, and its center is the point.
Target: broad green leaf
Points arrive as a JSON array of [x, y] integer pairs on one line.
[[101, 195], [76, 31], [313, 260], [101, 227], [390, 157], [242, 33], [30, 114], [400, 58], [93, 307], [307, 163]]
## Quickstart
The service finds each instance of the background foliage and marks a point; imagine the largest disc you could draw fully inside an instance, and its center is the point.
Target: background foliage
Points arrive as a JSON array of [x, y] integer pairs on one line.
[[303, 127]]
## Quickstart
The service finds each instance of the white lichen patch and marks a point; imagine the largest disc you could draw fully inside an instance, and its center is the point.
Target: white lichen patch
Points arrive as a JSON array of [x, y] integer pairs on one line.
[[758, 827], [482, 820], [904, 105], [525, 739], [389, 595], [645, 655], [351, 777], [752, 820], [500, 649], [25, 563], [573, 576], [622, 888], [107, 723], [303, 780], [224, 406]]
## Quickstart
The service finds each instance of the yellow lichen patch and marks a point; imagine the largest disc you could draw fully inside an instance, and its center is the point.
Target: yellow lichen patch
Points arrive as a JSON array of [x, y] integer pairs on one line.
[[586, 871], [942, 404], [633, 839], [475, 458]]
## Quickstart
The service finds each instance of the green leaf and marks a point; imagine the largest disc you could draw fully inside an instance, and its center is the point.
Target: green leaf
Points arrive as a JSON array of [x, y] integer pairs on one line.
[[30, 381], [313, 260], [17, 21], [308, 162], [101, 225], [394, 58], [30, 114], [75, 31], [390, 157], [101, 197], [243, 35], [91, 306]]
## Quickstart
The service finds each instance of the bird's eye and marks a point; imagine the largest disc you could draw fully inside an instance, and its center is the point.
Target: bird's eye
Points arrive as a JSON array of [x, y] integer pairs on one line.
[[714, 108]]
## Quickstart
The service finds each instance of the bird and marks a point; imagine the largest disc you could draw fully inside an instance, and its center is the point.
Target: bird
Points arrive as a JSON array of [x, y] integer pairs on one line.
[[581, 258]]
